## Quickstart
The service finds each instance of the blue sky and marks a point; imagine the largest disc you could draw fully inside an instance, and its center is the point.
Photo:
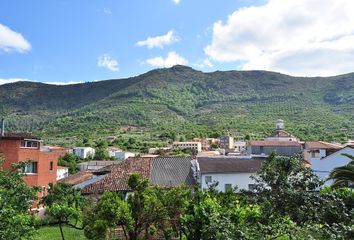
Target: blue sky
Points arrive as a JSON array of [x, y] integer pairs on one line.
[[66, 41]]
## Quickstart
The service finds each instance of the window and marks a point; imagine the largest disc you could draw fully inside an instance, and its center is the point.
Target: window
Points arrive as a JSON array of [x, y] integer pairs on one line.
[[51, 166], [30, 168], [315, 154], [228, 187], [208, 179], [29, 144]]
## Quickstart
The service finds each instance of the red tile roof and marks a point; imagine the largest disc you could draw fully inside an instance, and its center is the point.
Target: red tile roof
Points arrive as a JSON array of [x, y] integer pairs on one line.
[[266, 143], [281, 133], [77, 177], [321, 145], [117, 180]]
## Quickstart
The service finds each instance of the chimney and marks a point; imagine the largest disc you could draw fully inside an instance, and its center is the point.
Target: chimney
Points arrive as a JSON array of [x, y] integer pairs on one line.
[[2, 127]]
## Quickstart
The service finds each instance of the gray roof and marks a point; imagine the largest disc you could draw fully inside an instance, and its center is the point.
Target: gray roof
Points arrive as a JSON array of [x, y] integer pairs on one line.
[[229, 165], [171, 171]]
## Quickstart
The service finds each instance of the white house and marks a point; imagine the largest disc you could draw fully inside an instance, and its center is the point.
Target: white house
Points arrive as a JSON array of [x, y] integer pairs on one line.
[[240, 146], [62, 172], [124, 155], [112, 151], [323, 166], [314, 151], [84, 152], [197, 146], [228, 172]]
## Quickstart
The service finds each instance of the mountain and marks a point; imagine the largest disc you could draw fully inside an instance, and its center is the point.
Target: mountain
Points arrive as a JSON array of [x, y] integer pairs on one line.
[[183, 101]]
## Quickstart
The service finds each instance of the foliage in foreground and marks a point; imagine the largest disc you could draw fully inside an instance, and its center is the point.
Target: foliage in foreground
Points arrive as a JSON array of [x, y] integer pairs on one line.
[[285, 204], [16, 221], [343, 176]]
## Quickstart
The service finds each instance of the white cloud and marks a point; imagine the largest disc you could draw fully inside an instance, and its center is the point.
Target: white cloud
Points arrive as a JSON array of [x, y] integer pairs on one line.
[[303, 37], [11, 41], [176, 1], [12, 80], [159, 41], [206, 63], [172, 59], [108, 62], [107, 11]]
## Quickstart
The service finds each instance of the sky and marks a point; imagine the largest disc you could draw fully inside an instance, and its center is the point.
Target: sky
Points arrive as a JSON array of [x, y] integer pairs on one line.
[[66, 41]]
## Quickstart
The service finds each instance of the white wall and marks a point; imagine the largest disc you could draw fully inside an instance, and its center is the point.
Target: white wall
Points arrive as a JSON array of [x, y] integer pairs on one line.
[[124, 155], [241, 180], [84, 152], [62, 173], [322, 167]]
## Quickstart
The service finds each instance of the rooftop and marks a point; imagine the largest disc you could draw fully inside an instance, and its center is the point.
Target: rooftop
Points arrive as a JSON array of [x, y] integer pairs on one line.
[[77, 178], [322, 145], [266, 143], [18, 136], [117, 179], [171, 171], [279, 133], [229, 165]]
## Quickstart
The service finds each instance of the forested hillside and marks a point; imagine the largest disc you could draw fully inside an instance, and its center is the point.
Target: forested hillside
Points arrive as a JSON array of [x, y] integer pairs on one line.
[[186, 102]]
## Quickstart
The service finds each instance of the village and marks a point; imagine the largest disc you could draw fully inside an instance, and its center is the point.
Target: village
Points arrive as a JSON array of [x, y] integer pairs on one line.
[[224, 161]]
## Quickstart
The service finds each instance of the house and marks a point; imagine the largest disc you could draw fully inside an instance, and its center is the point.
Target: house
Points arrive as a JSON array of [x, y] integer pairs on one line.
[[159, 149], [112, 151], [161, 171], [226, 142], [194, 146], [206, 142], [314, 151], [240, 146], [94, 165], [265, 148], [323, 166], [123, 155], [62, 172], [84, 152], [228, 172], [280, 134], [23, 147]]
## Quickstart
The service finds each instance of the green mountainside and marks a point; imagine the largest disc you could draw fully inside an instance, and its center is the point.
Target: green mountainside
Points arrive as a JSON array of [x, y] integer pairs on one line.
[[181, 101]]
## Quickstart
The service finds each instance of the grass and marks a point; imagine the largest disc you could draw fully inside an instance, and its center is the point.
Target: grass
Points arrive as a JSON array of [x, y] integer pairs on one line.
[[53, 233]]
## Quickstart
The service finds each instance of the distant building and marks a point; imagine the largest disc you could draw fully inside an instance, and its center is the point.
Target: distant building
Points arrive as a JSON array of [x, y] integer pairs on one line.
[[314, 151], [112, 151], [124, 155], [206, 142], [157, 149], [84, 152], [62, 172], [280, 134], [226, 142], [196, 146], [229, 172], [240, 146], [265, 148]]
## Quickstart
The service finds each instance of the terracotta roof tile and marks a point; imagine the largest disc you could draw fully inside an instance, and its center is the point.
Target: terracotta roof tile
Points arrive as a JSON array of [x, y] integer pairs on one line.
[[117, 179], [77, 178], [321, 145], [18, 136], [281, 133]]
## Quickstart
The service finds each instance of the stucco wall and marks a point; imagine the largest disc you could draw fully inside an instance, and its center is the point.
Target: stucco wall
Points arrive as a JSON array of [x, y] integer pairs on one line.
[[241, 180]]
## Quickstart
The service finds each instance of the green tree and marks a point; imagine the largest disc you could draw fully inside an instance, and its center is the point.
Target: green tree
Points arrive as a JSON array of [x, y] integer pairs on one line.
[[16, 198], [69, 160], [343, 176], [64, 206]]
